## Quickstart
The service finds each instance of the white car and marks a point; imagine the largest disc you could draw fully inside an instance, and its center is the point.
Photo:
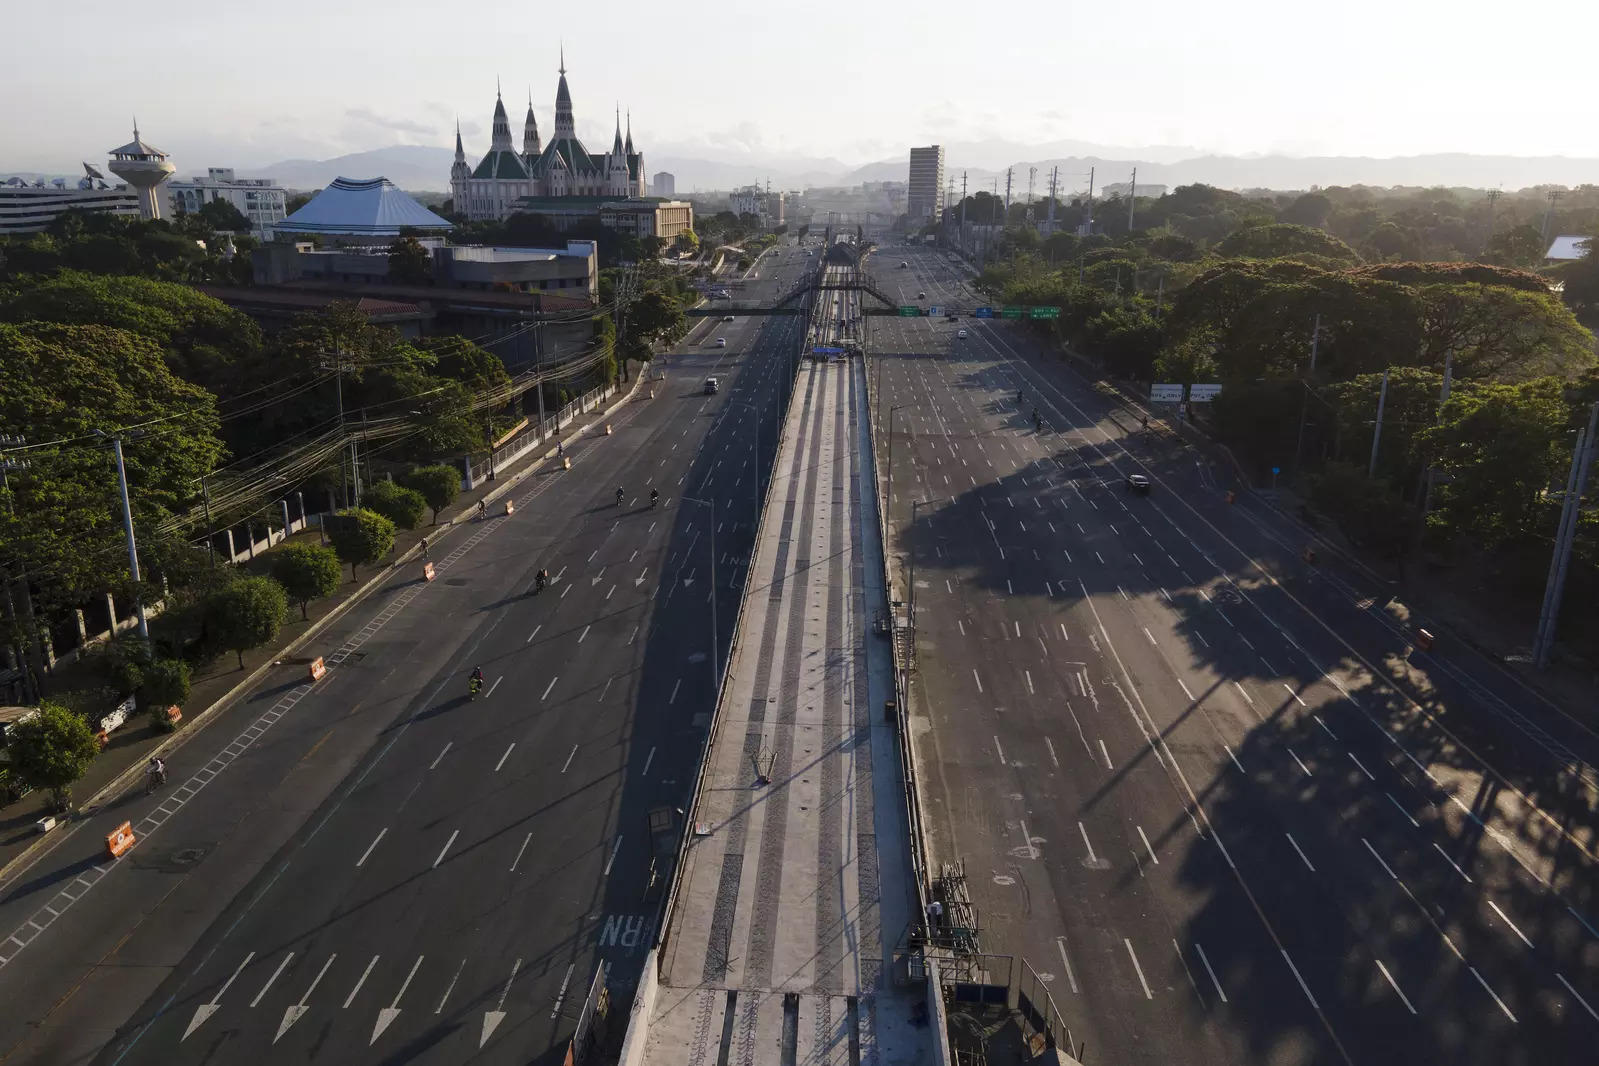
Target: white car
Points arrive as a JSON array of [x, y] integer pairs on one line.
[[721, 342], [960, 334], [727, 318]]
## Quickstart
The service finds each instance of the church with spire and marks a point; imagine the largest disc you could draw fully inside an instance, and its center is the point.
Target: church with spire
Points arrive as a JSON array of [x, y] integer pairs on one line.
[[562, 168]]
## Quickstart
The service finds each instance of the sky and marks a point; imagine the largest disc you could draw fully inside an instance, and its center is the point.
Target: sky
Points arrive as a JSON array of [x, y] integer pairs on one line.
[[229, 83]]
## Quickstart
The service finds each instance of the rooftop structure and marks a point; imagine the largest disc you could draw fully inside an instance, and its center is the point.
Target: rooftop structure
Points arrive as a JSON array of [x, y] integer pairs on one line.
[[1568, 247], [260, 200], [145, 168], [30, 208], [368, 210]]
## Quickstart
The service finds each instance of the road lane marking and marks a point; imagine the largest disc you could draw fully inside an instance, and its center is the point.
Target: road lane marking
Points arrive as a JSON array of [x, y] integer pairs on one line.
[[1491, 992], [1395, 986], [647, 760], [561, 995], [1000, 750], [1206, 961], [1402, 810], [1092, 858], [1379, 858], [446, 848], [449, 988], [977, 679], [370, 847], [205, 1010], [392, 1011], [1134, 956], [1050, 744], [1451, 862], [1506, 918], [269, 981], [584, 633], [1323, 725], [565, 590], [435, 763], [1270, 669], [1302, 766], [1029, 675], [1152, 856], [1242, 692], [1063, 634], [1233, 757], [1150, 635], [547, 688], [1574, 993], [507, 755], [492, 1018], [364, 975], [1362, 766], [673, 697], [1071, 978], [533, 634], [569, 758], [1300, 852], [1105, 752], [1184, 687], [519, 852], [1101, 559], [614, 849], [1295, 695]]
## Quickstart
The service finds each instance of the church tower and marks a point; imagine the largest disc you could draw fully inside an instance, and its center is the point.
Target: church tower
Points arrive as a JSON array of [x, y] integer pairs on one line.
[[502, 126], [565, 127], [530, 133], [459, 173], [616, 163]]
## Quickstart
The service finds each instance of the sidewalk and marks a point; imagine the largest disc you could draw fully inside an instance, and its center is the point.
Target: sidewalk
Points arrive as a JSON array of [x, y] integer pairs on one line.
[[221, 683]]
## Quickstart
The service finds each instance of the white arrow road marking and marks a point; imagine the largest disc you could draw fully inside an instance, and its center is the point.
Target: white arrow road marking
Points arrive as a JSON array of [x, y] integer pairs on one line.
[[492, 1018], [270, 981], [294, 1013], [387, 1015], [205, 1010], [637, 581]]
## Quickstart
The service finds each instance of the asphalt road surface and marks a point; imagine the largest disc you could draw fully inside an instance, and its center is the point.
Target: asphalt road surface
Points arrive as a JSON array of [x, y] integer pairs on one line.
[[382, 869], [1211, 792]]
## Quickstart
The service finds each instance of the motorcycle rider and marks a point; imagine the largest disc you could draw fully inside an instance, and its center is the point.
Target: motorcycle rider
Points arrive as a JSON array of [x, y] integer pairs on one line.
[[619, 495], [655, 495], [476, 681]]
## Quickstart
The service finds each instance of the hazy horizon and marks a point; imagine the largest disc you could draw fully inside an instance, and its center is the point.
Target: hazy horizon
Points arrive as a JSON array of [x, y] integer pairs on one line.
[[1228, 78]]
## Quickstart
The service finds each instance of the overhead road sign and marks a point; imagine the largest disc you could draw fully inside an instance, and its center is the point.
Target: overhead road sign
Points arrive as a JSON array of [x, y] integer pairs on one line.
[[983, 312], [827, 351], [1202, 393], [1166, 393], [910, 311], [935, 310], [1012, 312], [1043, 312]]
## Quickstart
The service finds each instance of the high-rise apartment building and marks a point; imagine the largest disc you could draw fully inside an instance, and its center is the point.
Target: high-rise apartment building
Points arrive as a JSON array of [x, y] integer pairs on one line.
[[925, 201], [665, 183]]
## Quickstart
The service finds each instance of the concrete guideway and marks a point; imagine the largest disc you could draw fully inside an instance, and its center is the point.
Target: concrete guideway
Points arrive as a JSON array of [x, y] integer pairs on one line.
[[1236, 841], [796, 885], [383, 865]]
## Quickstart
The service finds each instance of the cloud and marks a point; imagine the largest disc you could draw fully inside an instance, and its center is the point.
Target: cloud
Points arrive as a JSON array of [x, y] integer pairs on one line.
[[365, 116]]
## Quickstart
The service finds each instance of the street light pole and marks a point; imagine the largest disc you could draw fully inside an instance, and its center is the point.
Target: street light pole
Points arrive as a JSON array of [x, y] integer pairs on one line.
[[716, 665], [127, 528]]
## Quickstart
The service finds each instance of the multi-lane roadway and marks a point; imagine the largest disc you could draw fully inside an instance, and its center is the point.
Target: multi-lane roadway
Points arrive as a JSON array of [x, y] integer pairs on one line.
[[381, 869], [1211, 791]]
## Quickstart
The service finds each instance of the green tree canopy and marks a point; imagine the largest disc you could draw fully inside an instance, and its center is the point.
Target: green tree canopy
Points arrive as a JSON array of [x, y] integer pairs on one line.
[[245, 614], [438, 484], [409, 262], [1281, 240], [53, 749], [400, 505], [361, 537], [222, 216], [306, 571]]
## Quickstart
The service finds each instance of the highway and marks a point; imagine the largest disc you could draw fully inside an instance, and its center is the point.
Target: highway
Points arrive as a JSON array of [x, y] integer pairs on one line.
[[383, 870], [1212, 793]]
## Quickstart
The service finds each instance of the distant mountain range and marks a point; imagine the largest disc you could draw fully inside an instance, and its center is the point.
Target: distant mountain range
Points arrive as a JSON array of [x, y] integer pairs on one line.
[[426, 168]]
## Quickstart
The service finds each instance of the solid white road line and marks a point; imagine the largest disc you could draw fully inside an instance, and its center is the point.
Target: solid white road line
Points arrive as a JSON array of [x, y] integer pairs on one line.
[[1133, 955], [507, 755], [1299, 852], [1088, 844], [449, 988], [1184, 687], [1071, 978], [446, 848], [1000, 751], [364, 975], [1395, 986], [569, 758], [367, 853], [547, 688], [1206, 961], [281, 966], [1506, 918], [614, 849]]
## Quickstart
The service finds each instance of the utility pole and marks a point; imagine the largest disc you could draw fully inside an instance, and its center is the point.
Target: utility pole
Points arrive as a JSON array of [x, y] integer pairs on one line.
[[1088, 210], [964, 249], [1493, 194], [1565, 534], [1132, 199], [133, 548], [1304, 399], [1548, 214], [1054, 191], [1007, 193], [210, 533], [1443, 397], [1376, 433]]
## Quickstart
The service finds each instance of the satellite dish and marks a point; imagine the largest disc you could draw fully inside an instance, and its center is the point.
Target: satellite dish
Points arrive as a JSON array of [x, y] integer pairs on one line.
[[93, 171]]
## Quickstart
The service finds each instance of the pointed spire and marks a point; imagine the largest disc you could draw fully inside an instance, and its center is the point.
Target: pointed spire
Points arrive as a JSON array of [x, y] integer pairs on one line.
[[501, 141], [628, 147], [563, 58], [460, 152], [616, 144], [530, 131], [565, 125]]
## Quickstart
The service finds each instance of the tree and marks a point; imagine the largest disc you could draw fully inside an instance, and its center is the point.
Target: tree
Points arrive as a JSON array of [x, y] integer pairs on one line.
[[409, 262], [1190, 360], [223, 217], [687, 242], [307, 572], [163, 683], [297, 201], [1311, 209], [1519, 246], [400, 505], [51, 750], [438, 484], [1282, 239], [246, 614], [361, 537]]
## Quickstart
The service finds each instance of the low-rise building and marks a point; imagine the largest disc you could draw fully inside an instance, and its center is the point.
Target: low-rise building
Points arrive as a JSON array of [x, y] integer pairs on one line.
[[648, 218], [1567, 248], [361, 212], [260, 200], [571, 272], [30, 208]]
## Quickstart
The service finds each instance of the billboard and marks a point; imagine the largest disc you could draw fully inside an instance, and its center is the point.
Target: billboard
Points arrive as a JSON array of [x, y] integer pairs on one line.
[[1202, 393], [1166, 393]]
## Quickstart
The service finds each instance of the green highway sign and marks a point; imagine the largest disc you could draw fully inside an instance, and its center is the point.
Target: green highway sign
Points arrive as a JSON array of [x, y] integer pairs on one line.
[[1043, 312], [1012, 312], [910, 312]]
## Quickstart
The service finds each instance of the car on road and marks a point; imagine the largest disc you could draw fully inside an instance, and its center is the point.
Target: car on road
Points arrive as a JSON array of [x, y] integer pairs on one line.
[[960, 334], [921, 295], [711, 385], [721, 342], [903, 264], [1138, 483], [727, 318]]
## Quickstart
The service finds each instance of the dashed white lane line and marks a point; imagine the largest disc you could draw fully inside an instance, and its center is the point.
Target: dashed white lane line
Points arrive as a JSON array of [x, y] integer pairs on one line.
[[1300, 852], [270, 980], [1451, 862], [1302, 765], [1295, 695], [1092, 858], [584, 633], [547, 688], [1184, 687], [1577, 996], [1395, 986], [1071, 978], [519, 851], [1029, 675], [1494, 995], [1323, 725], [614, 849], [1106, 753], [533, 634], [1139, 969], [567, 765], [453, 834], [647, 760], [1150, 635], [1362, 766], [1244, 693], [1206, 961], [1152, 856], [370, 847], [1233, 757], [1409, 817], [494, 686], [1506, 919], [435, 763], [673, 697], [977, 679], [449, 988], [1000, 751], [1050, 744], [507, 755]]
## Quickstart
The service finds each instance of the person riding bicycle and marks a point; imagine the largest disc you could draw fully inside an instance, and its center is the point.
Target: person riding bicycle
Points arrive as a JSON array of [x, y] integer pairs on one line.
[[156, 770], [655, 495], [619, 495]]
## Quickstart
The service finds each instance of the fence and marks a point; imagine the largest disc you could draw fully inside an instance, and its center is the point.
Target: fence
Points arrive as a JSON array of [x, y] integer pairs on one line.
[[1009, 981], [531, 436], [590, 1018], [226, 546]]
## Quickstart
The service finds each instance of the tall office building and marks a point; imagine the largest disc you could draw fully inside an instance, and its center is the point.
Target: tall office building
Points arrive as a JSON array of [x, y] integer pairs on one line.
[[925, 201], [665, 183]]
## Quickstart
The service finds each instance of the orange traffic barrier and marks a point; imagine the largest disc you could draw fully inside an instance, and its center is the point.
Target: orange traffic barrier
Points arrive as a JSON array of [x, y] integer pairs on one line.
[[119, 840], [1423, 640], [1232, 497], [318, 668], [427, 572], [510, 507], [103, 738], [174, 714]]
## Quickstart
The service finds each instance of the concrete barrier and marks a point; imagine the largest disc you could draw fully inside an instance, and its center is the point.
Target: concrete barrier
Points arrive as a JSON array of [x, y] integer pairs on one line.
[[638, 1016]]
